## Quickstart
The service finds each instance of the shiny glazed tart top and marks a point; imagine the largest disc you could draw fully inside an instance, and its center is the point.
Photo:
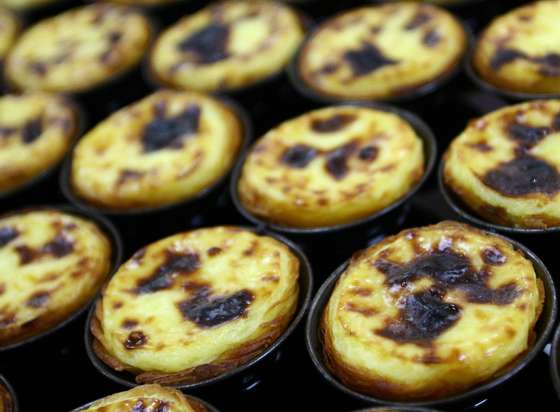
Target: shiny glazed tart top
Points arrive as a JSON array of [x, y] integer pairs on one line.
[[36, 131], [506, 165], [331, 166], [79, 49], [198, 300], [146, 398], [226, 46], [381, 52], [519, 52], [168, 147], [52, 264], [430, 312], [9, 27]]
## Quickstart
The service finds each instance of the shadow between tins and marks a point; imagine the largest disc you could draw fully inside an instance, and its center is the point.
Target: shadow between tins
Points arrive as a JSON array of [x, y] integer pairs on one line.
[[116, 258], [463, 211], [430, 153], [511, 96], [13, 397], [555, 361], [407, 97], [191, 399], [305, 281], [543, 328], [65, 185]]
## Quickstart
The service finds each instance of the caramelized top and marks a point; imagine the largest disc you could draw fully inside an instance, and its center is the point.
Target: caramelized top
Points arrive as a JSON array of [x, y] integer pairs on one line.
[[52, 264], [36, 130], [331, 166], [9, 27], [79, 49], [227, 46], [380, 52], [510, 159], [146, 398], [518, 51], [195, 298]]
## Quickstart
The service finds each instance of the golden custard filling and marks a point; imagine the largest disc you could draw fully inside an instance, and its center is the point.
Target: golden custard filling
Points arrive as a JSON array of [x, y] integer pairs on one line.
[[196, 304], [431, 312], [52, 264], [331, 166], [381, 52], [506, 165], [36, 131], [147, 398], [518, 51], [227, 46], [9, 27], [168, 147], [79, 49]]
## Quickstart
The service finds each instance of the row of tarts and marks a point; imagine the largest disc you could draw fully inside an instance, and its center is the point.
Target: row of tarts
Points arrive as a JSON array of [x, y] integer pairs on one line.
[[429, 315], [416, 300]]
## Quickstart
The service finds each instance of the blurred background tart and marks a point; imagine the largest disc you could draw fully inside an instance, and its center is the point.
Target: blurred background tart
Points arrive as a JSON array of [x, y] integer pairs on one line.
[[23, 6], [226, 46], [381, 52], [36, 131], [78, 50], [331, 166], [518, 51], [53, 264], [196, 305], [168, 147], [9, 28], [430, 313], [505, 166]]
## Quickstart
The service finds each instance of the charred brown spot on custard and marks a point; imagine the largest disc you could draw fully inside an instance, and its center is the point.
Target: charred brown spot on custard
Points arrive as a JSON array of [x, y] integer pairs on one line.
[[129, 324], [127, 175], [367, 59], [169, 133], [298, 156], [151, 405], [175, 264], [361, 291], [431, 38], [7, 319], [426, 315], [208, 311], [118, 305], [250, 251], [38, 299], [368, 153], [114, 37], [271, 278], [421, 17], [549, 64], [135, 340], [2, 288], [32, 130], [481, 146], [38, 68], [332, 124], [337, 161], [7, 234], [207, 45], [59, 247], [493, 256], [193, 286], [364, 311], [213, 251]]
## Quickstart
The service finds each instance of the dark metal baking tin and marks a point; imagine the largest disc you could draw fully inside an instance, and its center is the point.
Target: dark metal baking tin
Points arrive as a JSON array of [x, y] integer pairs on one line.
[[13, 397], [469, 398], [116, 258], [166, 219], [245, 376], [406, 409], [198, 401], [416, 98], [38, 186], [555, 361], [346, 238]]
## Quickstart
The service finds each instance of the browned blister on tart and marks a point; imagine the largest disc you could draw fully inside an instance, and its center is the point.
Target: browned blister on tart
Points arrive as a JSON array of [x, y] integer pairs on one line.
[[381, 52], [331, 166], [518, 51], [226, 46], [506, 165], [146, 398], [36, 131], [431, 312], [196, 305], [78, 50], [52, 263], [168, 147]]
